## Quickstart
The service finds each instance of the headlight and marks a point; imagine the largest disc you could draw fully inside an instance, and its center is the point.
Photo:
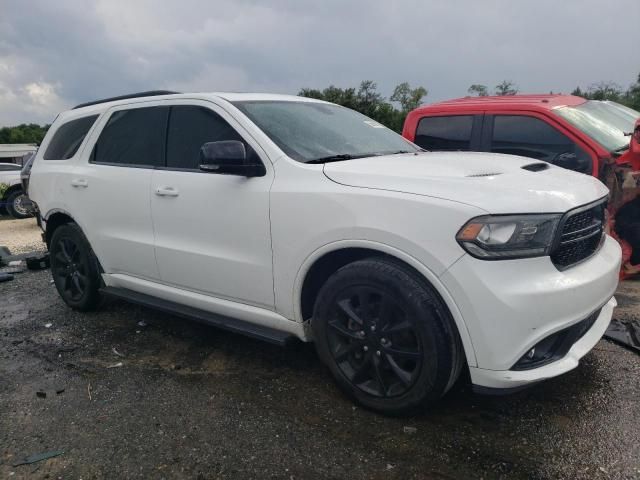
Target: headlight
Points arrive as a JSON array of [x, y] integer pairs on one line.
[[497, 237]]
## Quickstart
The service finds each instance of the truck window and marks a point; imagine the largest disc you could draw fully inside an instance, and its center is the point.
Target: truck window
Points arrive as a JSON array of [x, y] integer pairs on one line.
[[445, 133], [535, 138]]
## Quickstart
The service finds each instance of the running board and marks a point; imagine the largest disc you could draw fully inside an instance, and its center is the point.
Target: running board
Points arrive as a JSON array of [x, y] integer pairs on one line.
[[237, 326]]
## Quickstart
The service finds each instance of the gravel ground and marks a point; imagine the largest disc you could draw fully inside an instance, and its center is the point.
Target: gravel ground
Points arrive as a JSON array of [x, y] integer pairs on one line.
[[190, 401], [21, 236]]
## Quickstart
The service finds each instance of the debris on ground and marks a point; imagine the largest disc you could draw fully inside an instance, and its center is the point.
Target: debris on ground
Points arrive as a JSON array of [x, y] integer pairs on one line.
[[41, 394], [38, 262], [623, 333], [48, 325], [38, 457], [115, 365], [59, 391], [5, 277], [142, 323], [12, 270], [410, 430], [116, 352]]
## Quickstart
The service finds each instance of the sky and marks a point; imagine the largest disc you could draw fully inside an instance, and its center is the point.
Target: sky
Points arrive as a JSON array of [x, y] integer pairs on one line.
[[55, 54]]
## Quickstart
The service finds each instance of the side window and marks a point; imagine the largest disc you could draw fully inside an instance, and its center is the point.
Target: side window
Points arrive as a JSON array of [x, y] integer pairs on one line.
[[445, 133], [68, 138], [133, 137], [190, 127], [535, 138]]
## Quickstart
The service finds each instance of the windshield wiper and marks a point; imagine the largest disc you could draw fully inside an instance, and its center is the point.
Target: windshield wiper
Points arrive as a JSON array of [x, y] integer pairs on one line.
[[331, 158], [345, 156]]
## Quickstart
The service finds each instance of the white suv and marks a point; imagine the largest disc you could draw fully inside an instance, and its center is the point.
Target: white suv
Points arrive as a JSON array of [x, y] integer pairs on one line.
[[284, 217]]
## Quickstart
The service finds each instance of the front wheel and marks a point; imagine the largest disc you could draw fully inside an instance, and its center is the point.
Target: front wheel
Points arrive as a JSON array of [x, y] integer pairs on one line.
[[74, 268], [386, 336], [19, 205]]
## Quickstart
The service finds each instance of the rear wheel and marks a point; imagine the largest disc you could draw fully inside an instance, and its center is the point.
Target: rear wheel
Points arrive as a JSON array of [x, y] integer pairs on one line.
[[386, 336], [74, 268], [19, 205]]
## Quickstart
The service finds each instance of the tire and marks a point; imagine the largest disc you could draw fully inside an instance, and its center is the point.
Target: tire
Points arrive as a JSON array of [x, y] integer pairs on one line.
[[386, 336], [74, 268], [18, 205]]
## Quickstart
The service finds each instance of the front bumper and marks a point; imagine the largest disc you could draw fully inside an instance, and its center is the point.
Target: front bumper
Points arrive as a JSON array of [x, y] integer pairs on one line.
[[514, 379], [509, 306]]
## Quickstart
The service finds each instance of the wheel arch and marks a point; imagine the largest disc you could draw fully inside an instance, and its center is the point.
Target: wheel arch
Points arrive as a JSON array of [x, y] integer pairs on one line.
[[321, 264], [54, 219], [12, 188]]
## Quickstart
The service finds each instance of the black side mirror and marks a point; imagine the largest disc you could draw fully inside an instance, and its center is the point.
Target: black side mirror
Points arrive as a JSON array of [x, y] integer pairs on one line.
[[571, 161], [228, 157]]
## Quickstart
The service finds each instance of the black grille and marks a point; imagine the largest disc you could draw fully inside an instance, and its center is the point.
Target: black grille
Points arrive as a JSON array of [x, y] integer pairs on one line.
[[579, 236]]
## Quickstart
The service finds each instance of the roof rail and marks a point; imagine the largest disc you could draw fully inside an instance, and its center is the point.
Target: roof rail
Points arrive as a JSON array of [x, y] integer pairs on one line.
[[150, 93]]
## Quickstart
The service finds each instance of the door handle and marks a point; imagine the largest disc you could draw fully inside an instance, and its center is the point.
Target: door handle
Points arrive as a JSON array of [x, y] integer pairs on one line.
[[167, 192], [79, 183]]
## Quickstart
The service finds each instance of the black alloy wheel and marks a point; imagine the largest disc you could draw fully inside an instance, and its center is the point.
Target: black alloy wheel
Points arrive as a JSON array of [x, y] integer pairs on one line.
[[74, 268], [386, 335], [374, 342]]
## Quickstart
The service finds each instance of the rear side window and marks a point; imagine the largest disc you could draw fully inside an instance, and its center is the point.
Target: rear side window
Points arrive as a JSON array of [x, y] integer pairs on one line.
[[68, 138], [535, 138], [445, 133], [190, 127], [133, 137]]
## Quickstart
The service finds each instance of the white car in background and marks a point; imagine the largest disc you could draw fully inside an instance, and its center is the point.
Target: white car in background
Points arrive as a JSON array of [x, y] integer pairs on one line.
[[13, 200], [286, 217]]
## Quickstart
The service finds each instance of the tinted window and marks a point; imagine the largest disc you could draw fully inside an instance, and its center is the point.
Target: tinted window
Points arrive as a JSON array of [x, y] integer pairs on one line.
[[532, 137], [68, 138], [191, 127], [445, 133], [133, 137]]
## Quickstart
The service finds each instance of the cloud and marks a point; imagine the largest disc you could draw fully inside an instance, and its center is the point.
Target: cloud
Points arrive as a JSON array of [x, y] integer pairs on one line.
[[57, 54]]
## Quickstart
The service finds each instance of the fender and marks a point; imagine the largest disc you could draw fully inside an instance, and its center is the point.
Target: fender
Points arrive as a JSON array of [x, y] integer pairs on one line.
[[400, 255]]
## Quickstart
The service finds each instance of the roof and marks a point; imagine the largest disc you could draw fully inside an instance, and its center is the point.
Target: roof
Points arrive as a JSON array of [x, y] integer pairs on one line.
[[540, 102], [9, 150], [101, 105]]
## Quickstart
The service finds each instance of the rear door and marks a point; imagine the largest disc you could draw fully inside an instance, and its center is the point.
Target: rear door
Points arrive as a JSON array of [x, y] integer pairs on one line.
[[109, 189], [446, 132], [212, 231]]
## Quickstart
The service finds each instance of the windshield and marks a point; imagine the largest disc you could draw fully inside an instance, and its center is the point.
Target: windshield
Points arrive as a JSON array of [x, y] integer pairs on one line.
[[605, 122], [310, 131]]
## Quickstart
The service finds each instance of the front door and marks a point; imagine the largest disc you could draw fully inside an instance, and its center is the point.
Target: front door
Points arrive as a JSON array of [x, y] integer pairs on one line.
[[212, 231]]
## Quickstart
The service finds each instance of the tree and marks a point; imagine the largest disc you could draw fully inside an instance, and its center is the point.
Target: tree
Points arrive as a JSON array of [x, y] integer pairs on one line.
[[479, 90], [367, 100], [578, 92], [605, 91], [507, 87], [408, 98], [632, 96], [24, 133]]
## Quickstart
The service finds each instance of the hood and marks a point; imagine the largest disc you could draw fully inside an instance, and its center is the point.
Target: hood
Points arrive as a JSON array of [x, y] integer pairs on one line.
[[493, 182]]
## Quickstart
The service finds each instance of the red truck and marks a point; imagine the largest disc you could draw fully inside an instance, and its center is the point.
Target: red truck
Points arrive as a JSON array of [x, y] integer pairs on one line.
[[599, 138]]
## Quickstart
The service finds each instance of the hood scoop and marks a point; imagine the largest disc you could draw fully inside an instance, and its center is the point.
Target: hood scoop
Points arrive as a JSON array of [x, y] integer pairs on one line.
[[536, 167]]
